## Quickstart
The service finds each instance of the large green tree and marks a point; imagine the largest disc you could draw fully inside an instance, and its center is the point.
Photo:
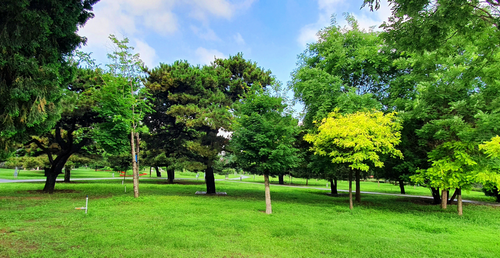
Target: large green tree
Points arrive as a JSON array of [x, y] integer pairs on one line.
[[36, 37], [453, 45], [357, 139], [166, 141], [201, 100], [263, 137], [350, 69], [73, 130]]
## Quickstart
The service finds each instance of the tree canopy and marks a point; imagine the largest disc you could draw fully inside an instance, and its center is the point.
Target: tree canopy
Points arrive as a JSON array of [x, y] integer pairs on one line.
[[36, 38]]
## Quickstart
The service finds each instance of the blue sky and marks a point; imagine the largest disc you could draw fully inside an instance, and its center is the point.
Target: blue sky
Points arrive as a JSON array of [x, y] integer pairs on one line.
[[269, 32]]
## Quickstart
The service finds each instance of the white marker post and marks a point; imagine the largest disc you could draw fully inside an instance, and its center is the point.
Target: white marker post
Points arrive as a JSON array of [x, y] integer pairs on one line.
[[86, 205]]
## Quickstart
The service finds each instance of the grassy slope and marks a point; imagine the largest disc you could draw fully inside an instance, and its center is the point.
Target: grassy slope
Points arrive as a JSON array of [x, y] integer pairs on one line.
[[169, 220]]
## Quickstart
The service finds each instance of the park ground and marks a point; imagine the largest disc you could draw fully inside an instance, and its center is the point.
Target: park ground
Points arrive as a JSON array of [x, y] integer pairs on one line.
[[169, 220]]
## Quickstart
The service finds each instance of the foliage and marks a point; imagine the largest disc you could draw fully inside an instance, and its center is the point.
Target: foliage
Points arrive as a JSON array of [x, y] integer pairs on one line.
[[357, 138], [197, 103], [348, 68], [36, 38], [264, 134], [27, 162], [426, 24]]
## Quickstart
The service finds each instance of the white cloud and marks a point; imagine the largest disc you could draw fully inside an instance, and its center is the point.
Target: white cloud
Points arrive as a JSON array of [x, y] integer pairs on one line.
[[308, 34], [206, 33], [162, 23], [146, 52], [206, 56], [239, 39], [218, 8], [128, 18]]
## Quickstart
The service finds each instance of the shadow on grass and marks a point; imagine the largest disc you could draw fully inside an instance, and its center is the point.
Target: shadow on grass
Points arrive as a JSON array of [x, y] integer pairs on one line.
[[252, 192]]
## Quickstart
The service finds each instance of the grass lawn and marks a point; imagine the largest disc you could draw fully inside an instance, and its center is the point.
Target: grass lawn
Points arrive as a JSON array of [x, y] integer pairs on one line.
[[91, 173], [170, 221], [370, 186]]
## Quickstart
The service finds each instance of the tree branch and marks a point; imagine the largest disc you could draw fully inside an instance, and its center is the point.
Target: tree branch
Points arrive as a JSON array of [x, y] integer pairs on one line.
[[45, 150], [488, 17], [59, 139]]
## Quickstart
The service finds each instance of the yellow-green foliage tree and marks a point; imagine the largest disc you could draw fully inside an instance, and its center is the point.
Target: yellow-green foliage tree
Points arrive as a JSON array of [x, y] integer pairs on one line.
[[357, 139]]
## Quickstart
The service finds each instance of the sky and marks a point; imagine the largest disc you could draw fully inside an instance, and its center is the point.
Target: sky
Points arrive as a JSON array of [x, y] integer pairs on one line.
[[270, 32]]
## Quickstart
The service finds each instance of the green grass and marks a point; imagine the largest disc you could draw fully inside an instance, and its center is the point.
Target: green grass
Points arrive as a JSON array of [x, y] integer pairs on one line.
[[170, 221], [91, 173], [372, 186], [39, 174]]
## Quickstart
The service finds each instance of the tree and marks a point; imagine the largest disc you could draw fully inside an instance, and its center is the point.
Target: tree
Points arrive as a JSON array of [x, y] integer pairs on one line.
[[357, 139], [353, 70], [263, 137], [426, 24], [458, 105], [36, 38], [201, 99], [129, 66], [167, 139], [73, 131], [454, 46]]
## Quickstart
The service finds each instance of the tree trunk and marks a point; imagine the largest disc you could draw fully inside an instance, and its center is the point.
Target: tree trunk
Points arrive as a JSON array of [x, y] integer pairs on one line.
[[444, 198], [158, 173], [350, 190], [50, 182], [402, 186], [269, 209], [67, 173], [171, 175], [435, 195], [358, 186], [134, 166], [450, 201], [333, 186], [336, 185], [280, 179], [209, 179], [307, 181], [54, 171], [459, 201]]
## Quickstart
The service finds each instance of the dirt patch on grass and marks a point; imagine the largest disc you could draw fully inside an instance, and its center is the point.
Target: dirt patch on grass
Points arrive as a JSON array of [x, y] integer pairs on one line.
[[418, 201], [22, 197], [55, 191], [18, 246], [183, 182]]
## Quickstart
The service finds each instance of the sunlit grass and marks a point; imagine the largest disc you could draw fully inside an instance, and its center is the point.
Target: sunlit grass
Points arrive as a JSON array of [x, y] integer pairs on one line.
[[171, 221], [370, 186]]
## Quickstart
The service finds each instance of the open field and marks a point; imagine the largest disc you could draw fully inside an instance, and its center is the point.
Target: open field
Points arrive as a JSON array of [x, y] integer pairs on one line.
[[91, 173], [170, 221], [370, 186]]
